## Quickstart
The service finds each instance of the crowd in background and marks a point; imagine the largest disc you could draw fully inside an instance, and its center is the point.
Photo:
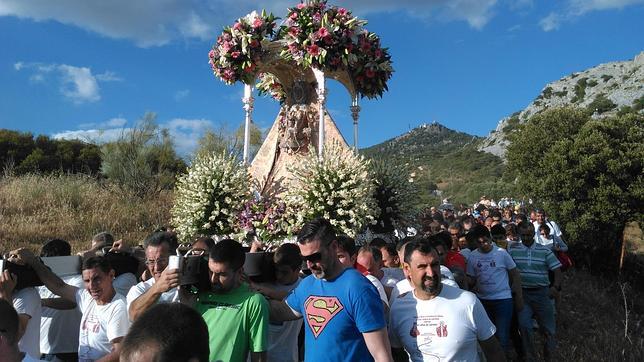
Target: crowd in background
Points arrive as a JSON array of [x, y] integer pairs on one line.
[[468, 284]]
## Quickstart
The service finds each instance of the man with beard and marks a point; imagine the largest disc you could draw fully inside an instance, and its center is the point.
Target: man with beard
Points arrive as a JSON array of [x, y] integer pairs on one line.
[[435, 321], [344, 318], [237, 318]]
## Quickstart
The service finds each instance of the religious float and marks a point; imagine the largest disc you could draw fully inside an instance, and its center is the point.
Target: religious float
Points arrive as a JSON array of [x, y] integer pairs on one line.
[[304, 168]]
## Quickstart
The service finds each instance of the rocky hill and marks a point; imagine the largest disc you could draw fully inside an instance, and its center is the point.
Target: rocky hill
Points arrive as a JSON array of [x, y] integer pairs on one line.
[[443, 163], [607, 89]]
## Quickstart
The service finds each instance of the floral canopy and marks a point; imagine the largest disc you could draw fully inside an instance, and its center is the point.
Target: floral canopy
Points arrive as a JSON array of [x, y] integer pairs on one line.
[[313, 35]]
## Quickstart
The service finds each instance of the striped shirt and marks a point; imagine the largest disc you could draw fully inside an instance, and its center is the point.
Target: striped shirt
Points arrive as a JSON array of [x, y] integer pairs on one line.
[[533, 263]]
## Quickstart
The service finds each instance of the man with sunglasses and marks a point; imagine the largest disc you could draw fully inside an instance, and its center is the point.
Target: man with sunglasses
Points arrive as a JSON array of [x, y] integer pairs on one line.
[[162, 287], [344, 317]]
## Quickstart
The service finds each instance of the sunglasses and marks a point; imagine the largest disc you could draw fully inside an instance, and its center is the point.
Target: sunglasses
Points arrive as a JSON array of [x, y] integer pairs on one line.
[[313, 258]]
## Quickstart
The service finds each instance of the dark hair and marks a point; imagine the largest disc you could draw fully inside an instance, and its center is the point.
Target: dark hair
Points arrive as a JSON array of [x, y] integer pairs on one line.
[[100, 262], [497, 229], [104, 238], [346, 243], [456, 225], [545, 228], [476, 232], [174, 331], [317, 229], [56, 247], [496, 213], [378, 242], [375, 252], [444, 238], [289, 255], [510, 229], [525, 226], [391, 249], [207, 240], [229, 252], [159, 237], [423, 246], [520, 218], [9, 321]]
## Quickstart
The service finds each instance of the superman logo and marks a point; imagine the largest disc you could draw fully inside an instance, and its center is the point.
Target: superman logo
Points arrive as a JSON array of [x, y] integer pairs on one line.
[[320, 311]]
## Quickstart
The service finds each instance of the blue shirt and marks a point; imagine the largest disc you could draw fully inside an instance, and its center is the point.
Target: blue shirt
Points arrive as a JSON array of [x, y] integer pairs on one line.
[[336, 313]]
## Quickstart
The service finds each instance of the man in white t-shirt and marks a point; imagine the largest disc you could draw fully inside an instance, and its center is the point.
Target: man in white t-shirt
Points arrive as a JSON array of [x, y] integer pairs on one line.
[[59, 327], [435, 321], [162, 287], [495, 279], [104, 322], [9, 326], [542, 218]]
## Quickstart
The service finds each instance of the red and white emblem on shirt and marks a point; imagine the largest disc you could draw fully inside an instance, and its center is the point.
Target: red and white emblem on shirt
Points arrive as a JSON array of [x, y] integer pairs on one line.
[[319, 312]]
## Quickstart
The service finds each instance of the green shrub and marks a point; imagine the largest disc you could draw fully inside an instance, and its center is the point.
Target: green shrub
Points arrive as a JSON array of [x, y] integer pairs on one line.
[[606, 77], [580, 90], [601, 104]]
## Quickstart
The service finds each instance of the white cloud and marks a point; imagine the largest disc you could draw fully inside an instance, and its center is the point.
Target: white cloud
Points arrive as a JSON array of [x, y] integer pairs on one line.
[[575, 8], [78, 84], [185, 133], [158, 22], [550, 22], [181, 94]]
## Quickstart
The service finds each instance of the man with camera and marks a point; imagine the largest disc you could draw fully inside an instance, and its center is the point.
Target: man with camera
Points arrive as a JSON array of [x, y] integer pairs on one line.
[[162, 286], [104, 321], [237, 317]]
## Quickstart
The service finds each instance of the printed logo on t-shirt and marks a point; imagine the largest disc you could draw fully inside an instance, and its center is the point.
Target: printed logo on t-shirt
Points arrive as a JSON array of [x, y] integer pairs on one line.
[[319, 312]]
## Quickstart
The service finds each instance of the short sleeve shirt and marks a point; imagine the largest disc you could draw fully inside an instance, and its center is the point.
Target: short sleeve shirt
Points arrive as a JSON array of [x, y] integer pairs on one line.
[[336, 313], [27, 301], [490, 270]]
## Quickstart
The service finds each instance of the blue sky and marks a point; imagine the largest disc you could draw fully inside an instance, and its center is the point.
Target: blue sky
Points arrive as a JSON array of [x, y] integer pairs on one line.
[[88, 69]]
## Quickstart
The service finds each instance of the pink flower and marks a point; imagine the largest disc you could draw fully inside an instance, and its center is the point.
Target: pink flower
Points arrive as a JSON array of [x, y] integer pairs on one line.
[[249, 68], [301, 6], [317, 17], [226, 46], [235, 54], [378, 53], [227, 36], [328, 40], [257, 23], [370, 73], [211, 54], [229, 74], [237, 26], [314, 50], [254, 43], [293, 16], [342, 11], [292, 48], [294, 31], [323, 32]]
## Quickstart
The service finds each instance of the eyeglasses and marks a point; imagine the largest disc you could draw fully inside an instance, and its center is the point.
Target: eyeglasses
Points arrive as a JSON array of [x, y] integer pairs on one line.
[[161, 261], [313, 258]]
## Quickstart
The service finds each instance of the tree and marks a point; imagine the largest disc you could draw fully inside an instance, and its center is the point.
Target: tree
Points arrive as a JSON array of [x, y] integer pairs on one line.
[[587, 173], [225, 141], [143, 160]]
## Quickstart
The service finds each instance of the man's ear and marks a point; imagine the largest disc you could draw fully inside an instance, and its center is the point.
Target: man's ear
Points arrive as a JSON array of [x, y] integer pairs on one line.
[[112, 274]]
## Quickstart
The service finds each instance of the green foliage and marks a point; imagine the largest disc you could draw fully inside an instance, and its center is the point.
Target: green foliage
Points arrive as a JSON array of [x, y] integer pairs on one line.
[[511, 124], [394, 193], [591, 83], [623, 110], [562, 93], [547, 93], [638, 104], [580, 90], [587, 173], [21, 153], [225, 141], [606, 77], [142, 160], [601, 104]]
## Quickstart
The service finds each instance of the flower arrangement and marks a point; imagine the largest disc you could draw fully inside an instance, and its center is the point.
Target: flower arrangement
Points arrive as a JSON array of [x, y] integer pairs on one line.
[[337, 187], [239, 48], [266, 217], [372, 67], [269, 85], [314, 35], [321, 37], [394, 193], [209, 197]]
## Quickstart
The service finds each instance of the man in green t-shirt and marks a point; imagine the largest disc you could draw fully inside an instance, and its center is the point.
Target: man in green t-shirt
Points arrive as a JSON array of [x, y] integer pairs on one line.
[[237, 318]]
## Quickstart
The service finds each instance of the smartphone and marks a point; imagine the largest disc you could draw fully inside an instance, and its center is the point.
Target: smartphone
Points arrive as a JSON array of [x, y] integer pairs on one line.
[[1, 265], [174, 262]]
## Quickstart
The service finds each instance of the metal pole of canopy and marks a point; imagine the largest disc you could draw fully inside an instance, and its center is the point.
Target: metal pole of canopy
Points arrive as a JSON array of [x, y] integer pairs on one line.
[[248, 108], [355, 113], [321, 91]]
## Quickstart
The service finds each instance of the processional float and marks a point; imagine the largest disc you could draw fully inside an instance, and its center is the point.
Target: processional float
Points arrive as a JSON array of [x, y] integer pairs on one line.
[[291, 63]]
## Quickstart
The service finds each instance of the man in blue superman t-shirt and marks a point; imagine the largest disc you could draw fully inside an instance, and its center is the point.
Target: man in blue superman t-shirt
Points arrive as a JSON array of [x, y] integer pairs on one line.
[[344, 317]]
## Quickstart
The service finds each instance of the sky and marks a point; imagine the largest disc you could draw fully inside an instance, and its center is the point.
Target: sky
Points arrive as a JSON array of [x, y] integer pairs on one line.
[[90, 69]]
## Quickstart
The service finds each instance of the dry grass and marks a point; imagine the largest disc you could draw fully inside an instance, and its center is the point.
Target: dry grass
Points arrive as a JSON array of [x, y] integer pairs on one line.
[[592, 320], [35, 208]]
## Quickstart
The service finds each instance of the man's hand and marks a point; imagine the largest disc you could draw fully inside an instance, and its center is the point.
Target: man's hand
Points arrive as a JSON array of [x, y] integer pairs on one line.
[[8, 283], [553, 293], [22, 256], [518, 302], [120, 246], [169, 279]]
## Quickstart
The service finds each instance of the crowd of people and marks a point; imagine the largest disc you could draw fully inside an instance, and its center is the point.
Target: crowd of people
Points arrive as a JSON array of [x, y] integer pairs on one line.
[[469, 285]]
